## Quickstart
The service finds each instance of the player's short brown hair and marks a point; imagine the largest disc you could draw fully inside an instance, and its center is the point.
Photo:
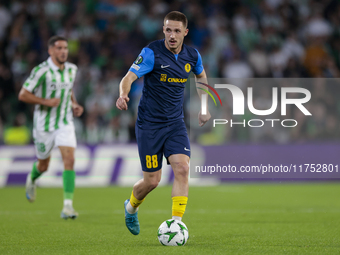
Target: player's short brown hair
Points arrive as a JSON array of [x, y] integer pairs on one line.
[[54, 39], [177, 16]]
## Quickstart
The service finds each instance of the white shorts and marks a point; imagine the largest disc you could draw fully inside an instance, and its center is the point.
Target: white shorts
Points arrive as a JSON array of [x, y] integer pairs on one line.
[[45, 141]]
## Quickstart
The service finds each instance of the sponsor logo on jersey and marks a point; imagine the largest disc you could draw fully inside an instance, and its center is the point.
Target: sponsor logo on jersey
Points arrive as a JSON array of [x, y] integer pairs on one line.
[[59, 86], [134, 66], [177, 80], [187, 67], [173, 80], [163, 77]]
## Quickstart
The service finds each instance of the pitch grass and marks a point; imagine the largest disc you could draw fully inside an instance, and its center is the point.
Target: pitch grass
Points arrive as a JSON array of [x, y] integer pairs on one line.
[[229, 219]]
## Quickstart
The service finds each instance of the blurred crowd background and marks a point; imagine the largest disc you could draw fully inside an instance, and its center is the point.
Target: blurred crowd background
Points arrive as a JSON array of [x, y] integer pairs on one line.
[[236, 38]]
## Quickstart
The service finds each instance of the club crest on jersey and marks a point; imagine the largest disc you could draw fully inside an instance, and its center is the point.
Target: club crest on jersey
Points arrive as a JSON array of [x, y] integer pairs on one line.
[[187, 67], [139, 60]]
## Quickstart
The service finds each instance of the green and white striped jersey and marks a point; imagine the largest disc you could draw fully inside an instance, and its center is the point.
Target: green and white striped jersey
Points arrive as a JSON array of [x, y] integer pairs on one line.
[[48, 81]]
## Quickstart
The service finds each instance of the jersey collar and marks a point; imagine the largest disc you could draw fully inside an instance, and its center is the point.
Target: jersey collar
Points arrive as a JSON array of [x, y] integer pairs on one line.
[[53, 66], [181, 52]]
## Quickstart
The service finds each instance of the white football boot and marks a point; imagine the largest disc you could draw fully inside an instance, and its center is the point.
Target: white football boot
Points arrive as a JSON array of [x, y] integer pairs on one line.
[[30, 188], [68, 212]]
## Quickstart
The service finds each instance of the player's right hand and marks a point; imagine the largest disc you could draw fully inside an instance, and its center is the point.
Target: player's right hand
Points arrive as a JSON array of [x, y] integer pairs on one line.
[[53, 102], [122, 102]]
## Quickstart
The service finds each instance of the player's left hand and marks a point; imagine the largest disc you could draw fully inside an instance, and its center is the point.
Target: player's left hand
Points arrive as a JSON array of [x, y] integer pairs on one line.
[[202, 119], [122, 102], [77, 109]]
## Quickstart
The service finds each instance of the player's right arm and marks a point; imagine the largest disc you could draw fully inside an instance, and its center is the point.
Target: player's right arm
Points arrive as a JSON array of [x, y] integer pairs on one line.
[[143, 65], [30, 98], [124, 89], [38, 75]]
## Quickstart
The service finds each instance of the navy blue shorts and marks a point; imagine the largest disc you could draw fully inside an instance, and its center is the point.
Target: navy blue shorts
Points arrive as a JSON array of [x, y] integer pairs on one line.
[[153, 143]]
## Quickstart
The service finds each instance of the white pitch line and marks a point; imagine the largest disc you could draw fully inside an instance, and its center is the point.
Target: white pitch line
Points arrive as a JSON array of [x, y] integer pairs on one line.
[[199, 211]]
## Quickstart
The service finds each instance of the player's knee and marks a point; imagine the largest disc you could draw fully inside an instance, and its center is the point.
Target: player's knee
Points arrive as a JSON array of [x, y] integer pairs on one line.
[[181, 169], [42, 168], [153, 183], [152, 179]]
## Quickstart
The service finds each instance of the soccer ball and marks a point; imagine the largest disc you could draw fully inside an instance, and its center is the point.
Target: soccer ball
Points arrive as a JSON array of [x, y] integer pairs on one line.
[[173, 233]]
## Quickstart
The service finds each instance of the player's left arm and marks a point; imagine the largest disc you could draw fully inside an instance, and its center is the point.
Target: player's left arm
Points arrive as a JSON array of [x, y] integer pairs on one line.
[[77, 108], [202, 77]]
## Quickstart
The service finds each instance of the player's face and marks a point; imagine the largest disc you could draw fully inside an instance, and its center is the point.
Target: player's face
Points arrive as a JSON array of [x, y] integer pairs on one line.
[[174, 32], [59, 51]]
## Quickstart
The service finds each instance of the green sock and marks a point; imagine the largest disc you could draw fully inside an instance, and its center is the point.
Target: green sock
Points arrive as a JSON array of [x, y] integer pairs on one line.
[[69, 177], [35, 172]]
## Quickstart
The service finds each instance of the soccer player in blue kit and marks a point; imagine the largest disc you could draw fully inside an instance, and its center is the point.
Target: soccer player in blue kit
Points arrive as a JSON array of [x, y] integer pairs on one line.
[[166, 65]]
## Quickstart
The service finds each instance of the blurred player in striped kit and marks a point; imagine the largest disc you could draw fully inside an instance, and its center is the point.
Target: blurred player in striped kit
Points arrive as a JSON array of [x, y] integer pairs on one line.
[[49, 87]]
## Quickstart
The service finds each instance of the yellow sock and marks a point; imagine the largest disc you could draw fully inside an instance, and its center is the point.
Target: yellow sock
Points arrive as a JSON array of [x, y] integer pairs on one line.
[[178, 205], [134, 201]]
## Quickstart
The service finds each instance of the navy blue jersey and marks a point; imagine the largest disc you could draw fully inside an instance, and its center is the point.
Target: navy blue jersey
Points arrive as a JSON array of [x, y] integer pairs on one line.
[[165, 75]]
